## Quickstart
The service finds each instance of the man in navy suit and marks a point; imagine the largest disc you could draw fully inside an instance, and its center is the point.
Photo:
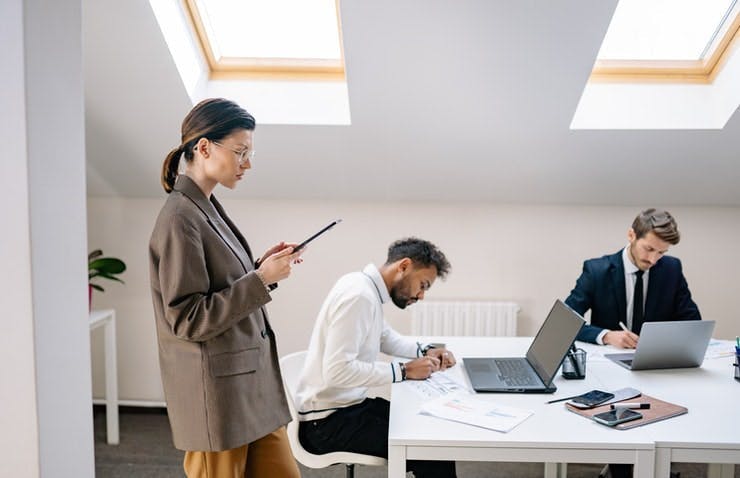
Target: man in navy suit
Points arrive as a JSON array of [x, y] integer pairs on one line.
[[637, 284], [607, 285]]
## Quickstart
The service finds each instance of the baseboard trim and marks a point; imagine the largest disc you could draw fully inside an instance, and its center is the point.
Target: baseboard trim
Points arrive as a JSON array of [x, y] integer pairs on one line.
[[133, 403]]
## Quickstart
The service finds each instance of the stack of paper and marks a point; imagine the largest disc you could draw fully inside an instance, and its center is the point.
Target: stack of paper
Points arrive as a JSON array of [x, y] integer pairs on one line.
[[720, 348], [465, 408], [437, 385]]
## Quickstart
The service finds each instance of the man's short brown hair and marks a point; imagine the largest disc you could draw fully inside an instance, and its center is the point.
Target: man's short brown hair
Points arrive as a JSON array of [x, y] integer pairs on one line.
[[659, 222]]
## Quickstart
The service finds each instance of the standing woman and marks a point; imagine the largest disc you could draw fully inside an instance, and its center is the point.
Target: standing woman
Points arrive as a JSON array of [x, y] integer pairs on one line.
[[217, 351]]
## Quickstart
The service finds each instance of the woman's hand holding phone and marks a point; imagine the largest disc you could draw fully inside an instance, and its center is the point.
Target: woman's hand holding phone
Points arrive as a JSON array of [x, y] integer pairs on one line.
[[276, 261], [276, 248], [279, 247], [277, 266]]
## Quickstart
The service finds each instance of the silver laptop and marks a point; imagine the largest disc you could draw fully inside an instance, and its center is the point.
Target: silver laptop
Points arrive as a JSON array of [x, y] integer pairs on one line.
[[672, 344], [534, 372]]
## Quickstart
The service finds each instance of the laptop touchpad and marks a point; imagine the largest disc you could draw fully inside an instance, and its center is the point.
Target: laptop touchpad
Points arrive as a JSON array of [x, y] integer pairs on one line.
[[481, 366]]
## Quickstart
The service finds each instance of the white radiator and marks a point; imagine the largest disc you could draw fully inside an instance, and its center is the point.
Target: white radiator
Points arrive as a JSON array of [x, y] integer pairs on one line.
[[464, 318]]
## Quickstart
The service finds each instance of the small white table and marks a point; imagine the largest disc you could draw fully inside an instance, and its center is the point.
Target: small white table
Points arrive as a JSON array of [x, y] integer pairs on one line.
[[107, 319]]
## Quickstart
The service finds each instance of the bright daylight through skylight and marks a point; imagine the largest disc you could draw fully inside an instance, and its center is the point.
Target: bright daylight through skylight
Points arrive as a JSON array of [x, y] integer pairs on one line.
[[663, 29], [272, 29]]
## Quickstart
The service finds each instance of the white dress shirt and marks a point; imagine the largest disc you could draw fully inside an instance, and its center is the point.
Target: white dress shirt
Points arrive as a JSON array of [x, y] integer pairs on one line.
[[350, 332], [630, 277]]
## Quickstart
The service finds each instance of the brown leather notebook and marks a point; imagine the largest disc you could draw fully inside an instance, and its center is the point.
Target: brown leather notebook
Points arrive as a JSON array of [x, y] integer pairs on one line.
[[659, 410]]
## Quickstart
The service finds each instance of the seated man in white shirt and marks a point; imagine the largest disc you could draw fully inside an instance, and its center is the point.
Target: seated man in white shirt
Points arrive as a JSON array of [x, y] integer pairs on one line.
[[342, 362]]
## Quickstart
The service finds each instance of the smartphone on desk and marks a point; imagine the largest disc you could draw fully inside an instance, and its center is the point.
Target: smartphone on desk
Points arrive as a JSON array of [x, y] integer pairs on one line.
[[591, 399], [616, 416]]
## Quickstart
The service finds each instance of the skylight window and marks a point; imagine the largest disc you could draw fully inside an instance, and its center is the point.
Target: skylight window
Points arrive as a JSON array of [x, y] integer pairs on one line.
[[665, 29], [263, 36], [281, 59], [665, 64]]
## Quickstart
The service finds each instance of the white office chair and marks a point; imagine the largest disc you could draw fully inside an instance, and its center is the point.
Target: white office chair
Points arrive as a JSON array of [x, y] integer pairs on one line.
[[291, 366]]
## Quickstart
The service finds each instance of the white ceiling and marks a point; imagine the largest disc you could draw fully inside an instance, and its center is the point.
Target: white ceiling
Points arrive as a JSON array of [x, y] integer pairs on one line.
[[465, 100]]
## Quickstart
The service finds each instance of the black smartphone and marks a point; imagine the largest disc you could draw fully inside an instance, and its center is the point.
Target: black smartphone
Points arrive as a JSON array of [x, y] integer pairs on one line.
[[326, 228], [616, 416], [591, 399]]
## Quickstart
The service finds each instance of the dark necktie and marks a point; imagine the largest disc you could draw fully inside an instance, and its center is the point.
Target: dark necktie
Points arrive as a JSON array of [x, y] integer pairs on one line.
[[637, 312]]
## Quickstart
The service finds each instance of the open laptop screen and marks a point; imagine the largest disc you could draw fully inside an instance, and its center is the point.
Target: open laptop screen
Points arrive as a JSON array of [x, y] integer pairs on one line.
[[553, 340]]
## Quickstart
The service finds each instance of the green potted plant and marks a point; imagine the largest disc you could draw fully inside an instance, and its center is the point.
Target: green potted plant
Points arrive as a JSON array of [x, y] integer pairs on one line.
[[104, 267]]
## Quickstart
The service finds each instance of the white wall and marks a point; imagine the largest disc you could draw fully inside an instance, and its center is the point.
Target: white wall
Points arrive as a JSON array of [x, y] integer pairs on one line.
[[19, 430], [529, 254], [45, 350]]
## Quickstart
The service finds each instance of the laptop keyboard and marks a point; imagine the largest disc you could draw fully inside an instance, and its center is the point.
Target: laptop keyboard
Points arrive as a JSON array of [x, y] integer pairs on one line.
[[515, 372]]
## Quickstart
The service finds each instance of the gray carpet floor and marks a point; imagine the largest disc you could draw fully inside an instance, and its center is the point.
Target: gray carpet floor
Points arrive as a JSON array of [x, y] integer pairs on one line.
[[146, 451]]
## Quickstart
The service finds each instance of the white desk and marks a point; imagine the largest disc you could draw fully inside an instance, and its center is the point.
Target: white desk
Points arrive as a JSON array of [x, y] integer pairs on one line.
[[107, 319], [709, 433], [555, 435]]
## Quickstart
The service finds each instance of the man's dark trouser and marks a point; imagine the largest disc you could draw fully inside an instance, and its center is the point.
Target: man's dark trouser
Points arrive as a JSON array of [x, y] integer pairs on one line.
[[621, 470], [363, 428]]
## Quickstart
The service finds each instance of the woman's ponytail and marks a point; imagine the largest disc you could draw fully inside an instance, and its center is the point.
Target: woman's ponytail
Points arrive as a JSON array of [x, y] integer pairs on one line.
[[169, 169]]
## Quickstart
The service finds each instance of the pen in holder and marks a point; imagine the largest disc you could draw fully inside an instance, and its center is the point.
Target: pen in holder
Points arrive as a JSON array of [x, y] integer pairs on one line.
[[574, 365]]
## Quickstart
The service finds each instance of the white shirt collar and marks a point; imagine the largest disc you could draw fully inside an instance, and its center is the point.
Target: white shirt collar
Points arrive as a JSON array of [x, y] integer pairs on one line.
[[629, 267], [373, 273]]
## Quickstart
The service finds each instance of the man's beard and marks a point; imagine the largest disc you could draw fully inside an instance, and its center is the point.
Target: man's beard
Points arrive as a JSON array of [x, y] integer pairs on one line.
[[399, 298]]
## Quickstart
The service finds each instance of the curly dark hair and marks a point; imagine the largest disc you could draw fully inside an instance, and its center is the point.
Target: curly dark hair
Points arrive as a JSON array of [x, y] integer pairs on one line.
[[421, 252]]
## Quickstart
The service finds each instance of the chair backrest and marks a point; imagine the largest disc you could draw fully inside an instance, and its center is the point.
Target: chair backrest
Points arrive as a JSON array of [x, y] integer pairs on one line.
[[291, 366]]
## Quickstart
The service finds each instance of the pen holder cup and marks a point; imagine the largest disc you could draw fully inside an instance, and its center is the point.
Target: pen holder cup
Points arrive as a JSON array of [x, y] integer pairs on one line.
[[574, 365], [737, 364]]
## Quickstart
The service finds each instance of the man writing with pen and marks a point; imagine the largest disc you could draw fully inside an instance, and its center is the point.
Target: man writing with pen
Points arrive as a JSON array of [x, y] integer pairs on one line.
[[635, 285], [334, 410]]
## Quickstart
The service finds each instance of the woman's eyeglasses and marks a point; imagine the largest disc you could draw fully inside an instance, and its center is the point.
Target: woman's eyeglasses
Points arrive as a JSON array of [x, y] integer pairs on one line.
[[242, 156]]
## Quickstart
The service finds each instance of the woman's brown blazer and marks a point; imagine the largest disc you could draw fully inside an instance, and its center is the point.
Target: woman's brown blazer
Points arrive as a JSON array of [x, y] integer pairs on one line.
[[217, 352]]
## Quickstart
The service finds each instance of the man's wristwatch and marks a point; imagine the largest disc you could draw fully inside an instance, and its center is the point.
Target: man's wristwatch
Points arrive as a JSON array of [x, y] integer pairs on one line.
[[402, 366], [422, 351]]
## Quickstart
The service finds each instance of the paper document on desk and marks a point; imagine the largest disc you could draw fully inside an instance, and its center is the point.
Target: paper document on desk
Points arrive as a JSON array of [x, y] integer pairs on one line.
[[720, 348], [465, 408], [437, 385]]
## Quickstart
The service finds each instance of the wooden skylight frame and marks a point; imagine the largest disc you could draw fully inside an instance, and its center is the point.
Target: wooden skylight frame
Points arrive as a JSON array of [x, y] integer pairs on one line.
[[264, 68], [677, 71]]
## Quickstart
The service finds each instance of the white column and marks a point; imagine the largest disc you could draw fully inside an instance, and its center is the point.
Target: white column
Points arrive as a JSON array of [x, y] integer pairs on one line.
[[18, 434], [45, 345]]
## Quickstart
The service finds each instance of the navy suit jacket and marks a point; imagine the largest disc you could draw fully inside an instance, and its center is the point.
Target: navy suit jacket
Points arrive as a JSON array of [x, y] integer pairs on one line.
[[601, 289]]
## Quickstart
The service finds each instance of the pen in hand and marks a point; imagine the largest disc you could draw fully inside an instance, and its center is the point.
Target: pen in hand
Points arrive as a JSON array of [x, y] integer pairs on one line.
[[624, 327]]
